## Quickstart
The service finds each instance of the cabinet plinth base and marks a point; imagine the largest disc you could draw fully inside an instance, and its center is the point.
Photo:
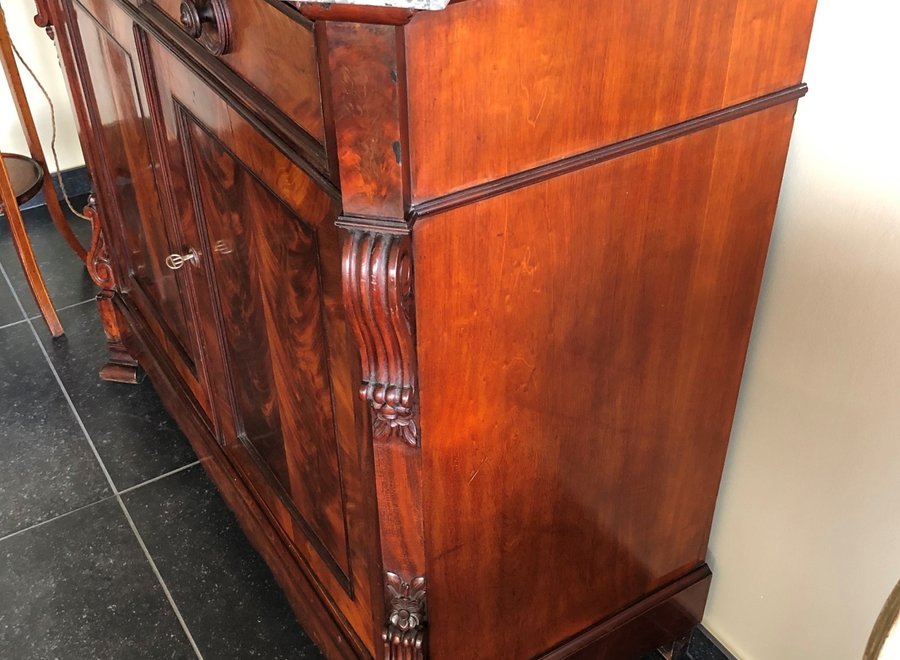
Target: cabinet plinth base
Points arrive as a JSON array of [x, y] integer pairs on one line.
[[653, 622], [121, 367]]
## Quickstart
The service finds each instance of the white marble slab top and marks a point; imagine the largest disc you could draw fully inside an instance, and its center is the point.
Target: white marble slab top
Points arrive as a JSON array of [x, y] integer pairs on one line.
[[399, 4]]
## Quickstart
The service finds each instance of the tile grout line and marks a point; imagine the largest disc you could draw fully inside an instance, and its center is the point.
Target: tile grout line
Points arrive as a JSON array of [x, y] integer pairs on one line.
[[38, 316], [65, 392], [62, 309], [54, 518], [159, 577], [12, 292], [112, 485], [12, 325], [131, 489]]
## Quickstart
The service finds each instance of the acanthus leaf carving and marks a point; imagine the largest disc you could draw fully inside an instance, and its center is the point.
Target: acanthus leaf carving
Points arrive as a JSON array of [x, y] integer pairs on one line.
[[378, 294], [400, 645], [404, 635], [407, 601]]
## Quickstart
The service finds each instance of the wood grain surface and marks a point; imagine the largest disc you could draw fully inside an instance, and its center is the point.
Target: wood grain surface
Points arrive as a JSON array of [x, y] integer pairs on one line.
[[569, 77], [583, 341]]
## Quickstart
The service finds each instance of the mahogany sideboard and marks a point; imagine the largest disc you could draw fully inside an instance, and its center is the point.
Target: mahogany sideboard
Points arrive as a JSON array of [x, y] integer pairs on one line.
[[451, 299]]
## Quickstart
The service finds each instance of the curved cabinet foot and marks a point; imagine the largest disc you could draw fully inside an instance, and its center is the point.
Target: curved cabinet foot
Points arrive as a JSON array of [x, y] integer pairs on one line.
[[115, 372], [121, 367]]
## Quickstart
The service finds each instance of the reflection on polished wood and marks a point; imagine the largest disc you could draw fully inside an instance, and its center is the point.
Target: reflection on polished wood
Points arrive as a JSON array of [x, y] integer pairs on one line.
[[457, 302]]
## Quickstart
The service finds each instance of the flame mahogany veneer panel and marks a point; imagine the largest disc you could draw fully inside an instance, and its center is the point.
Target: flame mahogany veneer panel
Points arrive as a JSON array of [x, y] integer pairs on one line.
[[280, 367], [275, 55], [499, 86], [124, 135], [582, 345]]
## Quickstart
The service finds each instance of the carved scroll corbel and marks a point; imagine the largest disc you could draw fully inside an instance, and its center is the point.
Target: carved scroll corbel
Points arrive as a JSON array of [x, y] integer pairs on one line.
[[121, 367], [98, 261], [378, 296], [404, 636], [42, 18]]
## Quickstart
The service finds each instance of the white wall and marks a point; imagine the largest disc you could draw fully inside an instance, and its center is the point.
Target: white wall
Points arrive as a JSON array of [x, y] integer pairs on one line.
[[806, 543], [38, 51]]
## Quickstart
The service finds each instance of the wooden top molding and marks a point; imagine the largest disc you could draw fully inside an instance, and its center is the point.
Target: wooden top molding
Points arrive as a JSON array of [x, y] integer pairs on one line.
[[354, 14], [428, 5], [383, 12], [495, 88]]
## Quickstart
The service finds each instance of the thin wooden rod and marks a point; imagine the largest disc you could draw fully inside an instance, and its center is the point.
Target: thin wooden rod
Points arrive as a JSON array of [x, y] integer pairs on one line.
[[26, 253], [32, 139]]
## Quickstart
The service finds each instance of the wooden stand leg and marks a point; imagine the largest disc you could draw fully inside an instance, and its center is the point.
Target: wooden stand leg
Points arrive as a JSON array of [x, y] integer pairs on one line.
[[10, 208], [59, 217], [7, 57], [121, 367], [678, 650]]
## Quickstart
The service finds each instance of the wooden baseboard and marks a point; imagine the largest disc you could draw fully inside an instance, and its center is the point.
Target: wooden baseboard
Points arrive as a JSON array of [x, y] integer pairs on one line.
[[651, 622]]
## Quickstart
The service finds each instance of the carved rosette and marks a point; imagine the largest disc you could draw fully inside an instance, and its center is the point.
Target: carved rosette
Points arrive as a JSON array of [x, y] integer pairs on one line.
[[378, 297], [98, 261], [404, 636]]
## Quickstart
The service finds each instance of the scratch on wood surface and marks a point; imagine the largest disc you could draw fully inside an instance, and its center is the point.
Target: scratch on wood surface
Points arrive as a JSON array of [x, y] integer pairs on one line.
[[533, 122], [477, 470]]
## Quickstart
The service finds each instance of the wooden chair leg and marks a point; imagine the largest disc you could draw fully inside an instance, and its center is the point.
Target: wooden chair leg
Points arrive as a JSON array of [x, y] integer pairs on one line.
[[26, 253]]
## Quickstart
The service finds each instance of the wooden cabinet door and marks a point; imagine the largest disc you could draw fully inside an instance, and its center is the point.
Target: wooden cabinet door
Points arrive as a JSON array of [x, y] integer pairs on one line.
[[282, 372], [131, 181]]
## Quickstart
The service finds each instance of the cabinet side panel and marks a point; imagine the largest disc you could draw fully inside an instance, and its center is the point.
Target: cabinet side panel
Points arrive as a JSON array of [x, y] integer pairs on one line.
[[581, 347], [499, 87]]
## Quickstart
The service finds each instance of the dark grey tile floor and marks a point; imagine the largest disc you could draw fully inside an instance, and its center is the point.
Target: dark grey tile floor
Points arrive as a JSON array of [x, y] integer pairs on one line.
[[113, 543], [702, 648]]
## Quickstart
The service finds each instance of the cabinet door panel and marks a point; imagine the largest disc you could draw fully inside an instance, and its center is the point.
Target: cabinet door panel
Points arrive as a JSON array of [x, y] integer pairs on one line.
[[282, 370], [264, 260], [144, 235]]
